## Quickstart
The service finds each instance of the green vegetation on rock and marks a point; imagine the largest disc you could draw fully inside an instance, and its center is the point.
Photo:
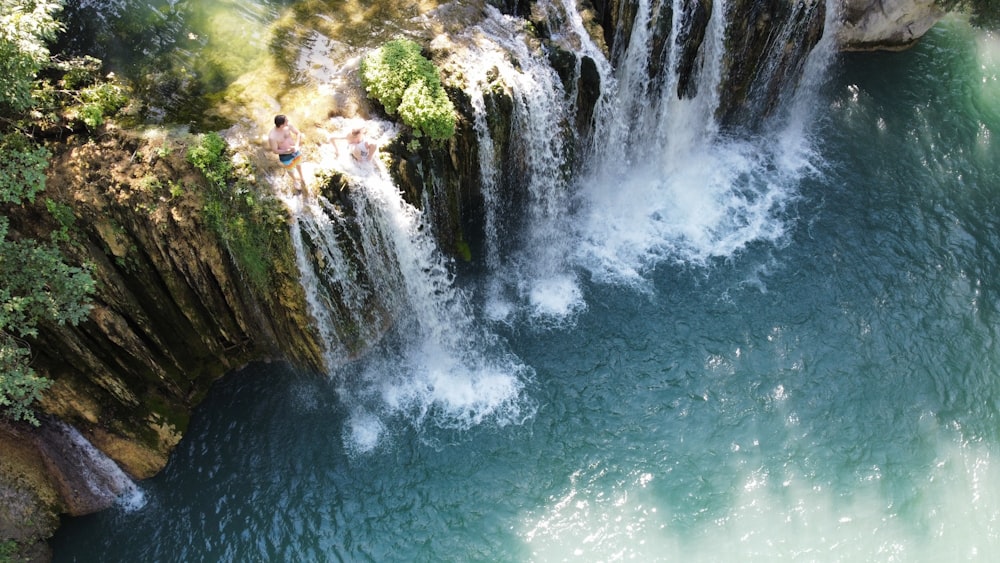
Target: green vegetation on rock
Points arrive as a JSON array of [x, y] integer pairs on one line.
[[8, 549], [407, 84], [252, 225], [36, 283]]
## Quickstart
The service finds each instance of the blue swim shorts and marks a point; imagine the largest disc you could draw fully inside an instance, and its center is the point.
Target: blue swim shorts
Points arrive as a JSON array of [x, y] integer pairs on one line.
[[291, 159]]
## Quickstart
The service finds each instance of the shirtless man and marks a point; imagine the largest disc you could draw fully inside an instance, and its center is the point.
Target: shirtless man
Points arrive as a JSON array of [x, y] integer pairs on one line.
[[284, 141]]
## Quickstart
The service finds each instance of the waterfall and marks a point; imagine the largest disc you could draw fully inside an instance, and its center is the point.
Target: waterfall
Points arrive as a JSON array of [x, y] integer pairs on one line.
[[373, 276], [336, 297], [103, 480], [657, 182], [439, 364], [663, 184], [527, 200]]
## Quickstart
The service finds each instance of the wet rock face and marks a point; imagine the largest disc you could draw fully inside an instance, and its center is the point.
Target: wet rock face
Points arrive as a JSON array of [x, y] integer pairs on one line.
[[171, 312], [869, 25], [766, 43]]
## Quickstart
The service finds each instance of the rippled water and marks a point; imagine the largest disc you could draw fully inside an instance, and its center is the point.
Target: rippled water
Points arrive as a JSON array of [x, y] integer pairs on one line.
[[830, 394]]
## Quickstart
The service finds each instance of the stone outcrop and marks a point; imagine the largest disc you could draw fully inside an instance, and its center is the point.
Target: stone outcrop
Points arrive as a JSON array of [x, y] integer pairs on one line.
[[870, 25], [172, 313]]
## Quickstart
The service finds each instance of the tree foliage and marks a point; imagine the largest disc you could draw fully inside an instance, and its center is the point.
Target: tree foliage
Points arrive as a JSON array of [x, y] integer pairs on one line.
[[408, 84], [22, 168], [25, 27], [983, 13], [36, 283]]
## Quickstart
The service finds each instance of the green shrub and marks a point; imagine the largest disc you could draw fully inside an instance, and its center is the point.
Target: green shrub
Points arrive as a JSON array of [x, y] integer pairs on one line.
[[406, 83], [429, 111], [100, 100], [20, 386], [8, 548], [22, 168]]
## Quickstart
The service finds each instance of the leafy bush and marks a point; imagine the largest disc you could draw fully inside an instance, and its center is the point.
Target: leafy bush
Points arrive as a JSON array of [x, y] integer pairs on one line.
[[22, 168], [428, 110], [8, 548], [100, 100], [400, 78], [209, 156]]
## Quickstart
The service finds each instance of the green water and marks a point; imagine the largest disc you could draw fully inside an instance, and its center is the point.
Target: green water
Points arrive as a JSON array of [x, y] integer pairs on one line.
[[179, 58], [209, 64], [834, 395]]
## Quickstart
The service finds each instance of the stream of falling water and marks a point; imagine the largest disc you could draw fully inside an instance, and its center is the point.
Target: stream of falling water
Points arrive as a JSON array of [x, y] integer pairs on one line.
[[436, 363]]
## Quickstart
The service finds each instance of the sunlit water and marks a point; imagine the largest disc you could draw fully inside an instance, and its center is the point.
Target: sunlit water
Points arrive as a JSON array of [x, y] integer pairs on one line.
[[827, 392]]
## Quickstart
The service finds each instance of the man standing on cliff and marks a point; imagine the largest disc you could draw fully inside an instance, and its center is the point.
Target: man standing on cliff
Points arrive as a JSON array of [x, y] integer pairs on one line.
[[284, 141]]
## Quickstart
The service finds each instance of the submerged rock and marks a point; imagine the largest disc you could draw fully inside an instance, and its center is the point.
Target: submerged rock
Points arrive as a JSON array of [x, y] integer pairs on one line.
[[870, 25]]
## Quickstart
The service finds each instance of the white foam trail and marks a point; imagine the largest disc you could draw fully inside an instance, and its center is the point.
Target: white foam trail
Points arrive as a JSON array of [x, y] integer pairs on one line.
[[441, 367], [363, 432], [101, 475], [532, 262]]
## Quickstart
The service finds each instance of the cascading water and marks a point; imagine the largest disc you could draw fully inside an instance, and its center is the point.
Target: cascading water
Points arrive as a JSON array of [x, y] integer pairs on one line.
[[315, 229], [662, 183], [101, 476], [657, 180], [526, 205], [436, 363]]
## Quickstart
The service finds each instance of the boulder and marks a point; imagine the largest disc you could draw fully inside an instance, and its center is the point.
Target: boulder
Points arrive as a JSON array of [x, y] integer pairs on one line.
[[870, 25]]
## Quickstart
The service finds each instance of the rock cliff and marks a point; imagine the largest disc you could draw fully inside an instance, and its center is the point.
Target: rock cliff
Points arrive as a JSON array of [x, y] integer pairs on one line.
[[171, 314]]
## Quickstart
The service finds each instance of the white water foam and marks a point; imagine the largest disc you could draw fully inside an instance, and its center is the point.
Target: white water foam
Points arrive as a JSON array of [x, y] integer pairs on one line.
[[101, 475], [667, 186], [441, 368], [786, 516]]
